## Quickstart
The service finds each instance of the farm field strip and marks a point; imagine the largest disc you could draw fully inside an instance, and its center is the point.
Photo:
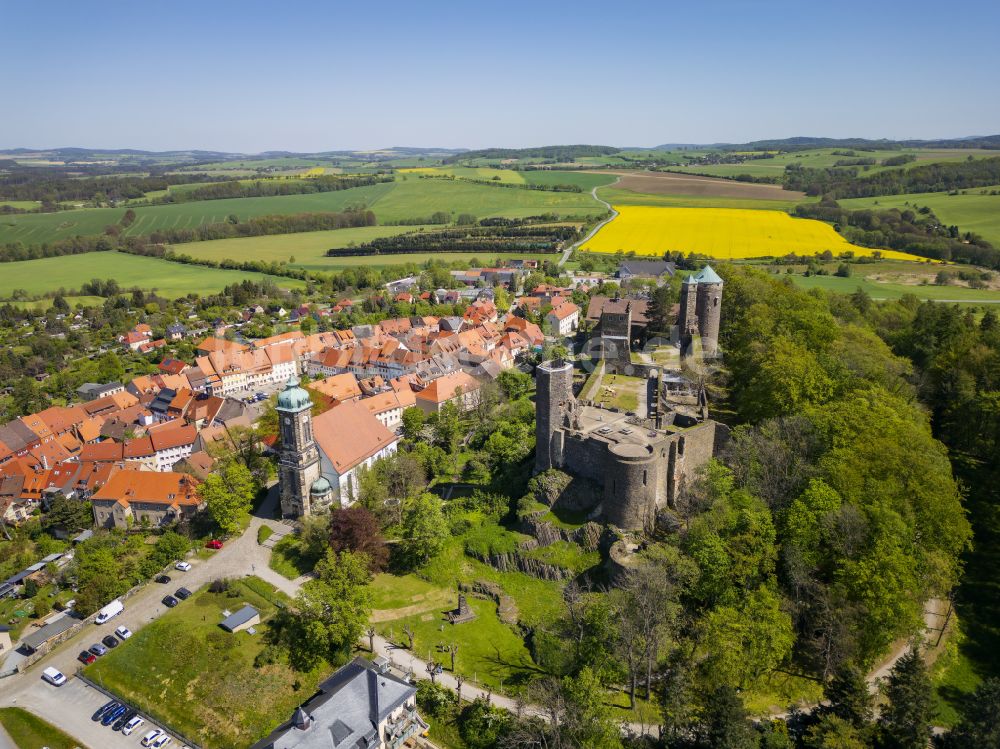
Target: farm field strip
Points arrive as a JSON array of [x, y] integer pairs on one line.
[[616, 196], [723, 233], [169, 279], [671, 183], [391, 201]]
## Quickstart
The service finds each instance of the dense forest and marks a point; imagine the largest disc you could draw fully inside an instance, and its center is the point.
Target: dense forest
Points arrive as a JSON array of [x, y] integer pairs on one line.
[[917, 231], [936, 177]]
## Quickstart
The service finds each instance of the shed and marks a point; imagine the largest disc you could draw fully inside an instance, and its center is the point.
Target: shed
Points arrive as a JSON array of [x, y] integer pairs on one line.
[[84, 536], [53, 629], [245, 618]]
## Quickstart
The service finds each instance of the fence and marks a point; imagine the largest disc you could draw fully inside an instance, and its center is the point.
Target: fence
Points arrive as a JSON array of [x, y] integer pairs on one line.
[[144, 715]]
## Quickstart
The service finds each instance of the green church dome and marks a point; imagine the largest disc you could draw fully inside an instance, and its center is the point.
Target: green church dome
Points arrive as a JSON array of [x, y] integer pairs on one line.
[[320, 486], [293, 397]]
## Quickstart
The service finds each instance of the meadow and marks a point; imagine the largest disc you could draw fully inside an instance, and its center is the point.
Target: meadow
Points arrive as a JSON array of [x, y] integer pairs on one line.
[[168, 279], [879, 290], [586, 181], [972, 210], [724, 233], [186, 671], [391, 201]]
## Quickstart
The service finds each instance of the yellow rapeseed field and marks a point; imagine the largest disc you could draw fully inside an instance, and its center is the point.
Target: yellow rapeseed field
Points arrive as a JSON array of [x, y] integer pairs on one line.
[[724, 233]]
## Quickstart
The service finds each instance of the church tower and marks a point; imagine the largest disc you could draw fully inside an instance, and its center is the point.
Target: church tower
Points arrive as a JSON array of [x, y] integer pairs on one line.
[[299, 466]]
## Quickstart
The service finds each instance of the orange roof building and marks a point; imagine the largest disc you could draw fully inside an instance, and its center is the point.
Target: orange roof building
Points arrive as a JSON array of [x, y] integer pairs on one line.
[[136, 497]]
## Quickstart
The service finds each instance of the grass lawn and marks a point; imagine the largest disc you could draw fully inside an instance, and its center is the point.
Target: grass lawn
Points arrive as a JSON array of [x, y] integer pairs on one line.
[[620, 391], [44, 304], [617, 196], [879, 290], [197, 678], [286, 559], [168, 279], [29, 731]]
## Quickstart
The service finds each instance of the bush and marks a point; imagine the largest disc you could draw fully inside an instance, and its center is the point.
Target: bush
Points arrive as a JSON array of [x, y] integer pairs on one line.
[[435, 700], [219, 585], [264, 533]]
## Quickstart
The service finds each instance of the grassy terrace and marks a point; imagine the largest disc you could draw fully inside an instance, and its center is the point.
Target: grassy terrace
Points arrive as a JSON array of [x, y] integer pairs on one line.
[[195, 677], [620, 391], [29, 731]]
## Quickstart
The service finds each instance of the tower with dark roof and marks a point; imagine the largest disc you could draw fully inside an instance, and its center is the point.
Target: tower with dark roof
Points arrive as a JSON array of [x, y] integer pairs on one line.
[[701, 311], [299, 466]]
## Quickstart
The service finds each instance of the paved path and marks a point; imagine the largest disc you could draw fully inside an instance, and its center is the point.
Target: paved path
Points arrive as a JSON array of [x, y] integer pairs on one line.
[[6, 742], [614, 214]]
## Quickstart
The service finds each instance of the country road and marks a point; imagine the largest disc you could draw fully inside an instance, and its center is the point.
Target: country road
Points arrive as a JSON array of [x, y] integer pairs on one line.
[[569, 250]]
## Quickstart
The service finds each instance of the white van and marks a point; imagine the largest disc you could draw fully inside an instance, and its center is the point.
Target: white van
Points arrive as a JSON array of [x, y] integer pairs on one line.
[[110, 611], [53, 676]]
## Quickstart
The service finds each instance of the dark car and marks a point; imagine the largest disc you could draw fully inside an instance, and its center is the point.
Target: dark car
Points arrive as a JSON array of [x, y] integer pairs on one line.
[[183, 594], [111, 641], [103, 709], [86, 657], [117, 725], [114, 714], [170, 601], [164, 579]]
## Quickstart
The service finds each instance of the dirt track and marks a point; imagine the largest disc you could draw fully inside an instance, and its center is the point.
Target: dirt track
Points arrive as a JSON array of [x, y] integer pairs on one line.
[[671, 183]]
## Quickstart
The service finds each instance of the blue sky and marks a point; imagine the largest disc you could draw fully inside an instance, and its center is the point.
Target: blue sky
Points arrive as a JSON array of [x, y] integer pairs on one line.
[[301, 76]]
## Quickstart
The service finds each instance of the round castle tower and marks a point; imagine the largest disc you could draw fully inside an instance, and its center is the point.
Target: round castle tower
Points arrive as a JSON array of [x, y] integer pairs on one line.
[[709, 309]]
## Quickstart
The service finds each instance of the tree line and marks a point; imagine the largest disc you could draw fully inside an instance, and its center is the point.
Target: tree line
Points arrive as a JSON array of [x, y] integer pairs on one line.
[[492, 239], [557, 153], [111, 188], [270, 188], [937, 177], [915, 230]]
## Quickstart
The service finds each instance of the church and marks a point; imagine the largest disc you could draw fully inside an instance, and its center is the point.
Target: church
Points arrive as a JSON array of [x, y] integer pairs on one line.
[[320, 457]]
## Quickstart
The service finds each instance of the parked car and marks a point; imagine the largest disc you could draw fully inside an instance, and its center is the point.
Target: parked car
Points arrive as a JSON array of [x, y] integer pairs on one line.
[[119, 724], [170, 601], [161, 741], [98, 649], [111, 641], [110, 611], [150, 737], [112, 715], [103, 709], [86, 657], [131, 725], [123, 633], [164, 579], [183, 594], [214, 544], [183, 566]]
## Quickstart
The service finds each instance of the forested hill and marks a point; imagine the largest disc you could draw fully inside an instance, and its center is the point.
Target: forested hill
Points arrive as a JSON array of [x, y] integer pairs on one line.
[[837, 458], [557, 153]]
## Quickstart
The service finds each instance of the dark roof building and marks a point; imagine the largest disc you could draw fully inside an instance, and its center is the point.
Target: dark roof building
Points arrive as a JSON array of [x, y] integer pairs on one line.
[[356, 708], [645, 269]]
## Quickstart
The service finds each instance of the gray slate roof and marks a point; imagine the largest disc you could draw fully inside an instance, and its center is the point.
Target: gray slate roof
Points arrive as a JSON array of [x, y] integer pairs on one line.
[[345, 713], [655, 268], [239, 618]]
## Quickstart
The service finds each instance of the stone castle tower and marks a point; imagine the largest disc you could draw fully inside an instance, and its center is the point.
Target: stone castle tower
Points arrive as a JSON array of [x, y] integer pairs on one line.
[[553, 396], [701, 311], [303, 489]]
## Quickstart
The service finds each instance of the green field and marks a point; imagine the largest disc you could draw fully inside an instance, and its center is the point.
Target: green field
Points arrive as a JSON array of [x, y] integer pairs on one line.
[[25, 204], [391, 201], [29, 731], [309, 249], [878, 290], [168, 279], [617, 196], [44, 304], [972, 210], [583, 180], [187, 672]]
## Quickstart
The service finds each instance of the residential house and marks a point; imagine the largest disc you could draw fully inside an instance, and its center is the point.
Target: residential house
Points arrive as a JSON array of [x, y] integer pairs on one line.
[[134, 497], [658, 270], [458, 387], [359, 707], [564, 319]]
